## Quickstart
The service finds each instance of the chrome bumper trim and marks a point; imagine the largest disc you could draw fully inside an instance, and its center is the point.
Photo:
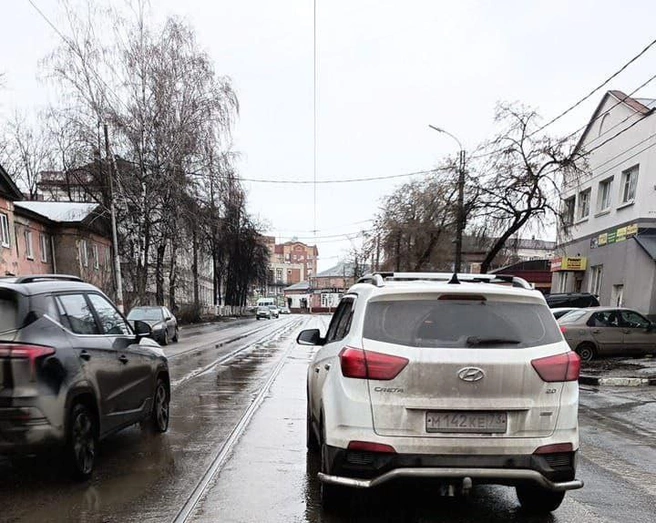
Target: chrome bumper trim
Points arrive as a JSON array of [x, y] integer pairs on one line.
[[457, 473]]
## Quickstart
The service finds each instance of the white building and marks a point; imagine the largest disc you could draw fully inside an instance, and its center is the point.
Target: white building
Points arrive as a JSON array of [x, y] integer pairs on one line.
[[607, 245]]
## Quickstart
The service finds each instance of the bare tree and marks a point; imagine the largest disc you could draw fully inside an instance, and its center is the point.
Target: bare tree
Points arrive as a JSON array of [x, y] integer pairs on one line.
[[519, 182]]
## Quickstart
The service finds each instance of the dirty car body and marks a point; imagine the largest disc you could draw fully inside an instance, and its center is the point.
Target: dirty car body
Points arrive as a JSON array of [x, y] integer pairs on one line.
[[465, 382]]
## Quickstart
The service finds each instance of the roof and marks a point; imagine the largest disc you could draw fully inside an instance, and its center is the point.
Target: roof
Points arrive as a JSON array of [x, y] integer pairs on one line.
[[300, 286], [644, 106], [62, 212], [531, 243], [8, 187], [648, 243], [341, 270]]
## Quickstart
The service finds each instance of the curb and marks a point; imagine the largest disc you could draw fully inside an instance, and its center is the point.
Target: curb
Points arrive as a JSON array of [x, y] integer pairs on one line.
[[617, 382]]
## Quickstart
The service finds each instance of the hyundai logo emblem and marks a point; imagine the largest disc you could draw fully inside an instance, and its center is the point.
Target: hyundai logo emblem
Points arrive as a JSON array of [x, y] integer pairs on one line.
[[471, 374]]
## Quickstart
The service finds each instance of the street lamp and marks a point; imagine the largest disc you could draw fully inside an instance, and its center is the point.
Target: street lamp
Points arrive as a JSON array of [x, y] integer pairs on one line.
[[460, 225]]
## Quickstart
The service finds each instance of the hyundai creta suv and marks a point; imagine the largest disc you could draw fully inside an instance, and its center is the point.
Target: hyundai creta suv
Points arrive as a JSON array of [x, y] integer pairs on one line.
[[73, 371], [466, 379]]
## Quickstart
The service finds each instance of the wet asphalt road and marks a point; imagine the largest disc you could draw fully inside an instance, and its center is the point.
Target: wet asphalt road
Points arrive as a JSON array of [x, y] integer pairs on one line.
[[268, 475]]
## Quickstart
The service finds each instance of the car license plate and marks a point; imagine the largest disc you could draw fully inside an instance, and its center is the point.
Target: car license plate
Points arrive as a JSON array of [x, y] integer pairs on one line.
[[466, 422]]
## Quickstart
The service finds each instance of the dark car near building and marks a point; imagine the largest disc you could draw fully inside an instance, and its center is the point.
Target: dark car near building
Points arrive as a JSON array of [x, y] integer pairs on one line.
[[73, 371], [162, 322], [579, 300]]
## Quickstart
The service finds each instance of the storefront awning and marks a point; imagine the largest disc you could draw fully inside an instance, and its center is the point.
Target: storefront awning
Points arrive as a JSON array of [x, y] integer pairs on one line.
[[648, 243]]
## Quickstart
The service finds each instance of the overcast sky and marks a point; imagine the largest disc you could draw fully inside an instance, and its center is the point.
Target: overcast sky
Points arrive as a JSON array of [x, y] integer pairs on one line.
[[387, 68]]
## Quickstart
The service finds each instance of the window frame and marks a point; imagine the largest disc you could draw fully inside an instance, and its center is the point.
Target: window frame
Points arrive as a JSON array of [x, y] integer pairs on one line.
[[630, 181], [84, 253], [346, 306], [588, 196], [29, 250], [96, 256], [64, 317], [608, 182], [569, 211], [5, 235], [44, 247], [596, 276]]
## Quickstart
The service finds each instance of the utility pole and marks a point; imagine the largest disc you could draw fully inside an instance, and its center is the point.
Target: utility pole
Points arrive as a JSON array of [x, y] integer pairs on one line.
[[461, 210], [112, 209], [460, 225]]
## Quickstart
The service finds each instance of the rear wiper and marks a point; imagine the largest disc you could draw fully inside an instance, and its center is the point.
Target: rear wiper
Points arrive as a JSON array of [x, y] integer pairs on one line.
[[474, 341]]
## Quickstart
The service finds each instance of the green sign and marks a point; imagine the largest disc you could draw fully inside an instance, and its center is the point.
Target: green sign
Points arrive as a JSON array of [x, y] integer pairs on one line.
[[612, 236]]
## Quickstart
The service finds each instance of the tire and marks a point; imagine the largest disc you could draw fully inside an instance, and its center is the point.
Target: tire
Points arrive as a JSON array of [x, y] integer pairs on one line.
[[310, 436], [538, 500], [81, 442], [159, 416], [176, 336], [586, 351], [165, 338]]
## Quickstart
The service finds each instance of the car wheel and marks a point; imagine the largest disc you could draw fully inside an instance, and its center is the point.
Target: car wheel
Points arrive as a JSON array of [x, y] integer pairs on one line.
[[176, 336], [586, 351], [310, 436], [165, 337], [538, 500], [82, 442], [159, 416]]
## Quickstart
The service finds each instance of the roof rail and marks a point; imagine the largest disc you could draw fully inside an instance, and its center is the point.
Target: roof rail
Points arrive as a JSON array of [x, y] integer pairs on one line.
[[379, 278], [46, 277]]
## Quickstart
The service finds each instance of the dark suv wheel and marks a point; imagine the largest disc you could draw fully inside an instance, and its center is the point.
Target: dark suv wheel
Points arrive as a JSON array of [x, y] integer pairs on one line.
[[159, 416], [82, 441]]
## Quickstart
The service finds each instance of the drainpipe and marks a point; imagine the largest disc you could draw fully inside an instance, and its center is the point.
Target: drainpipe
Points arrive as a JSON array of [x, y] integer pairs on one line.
[[52, 254]]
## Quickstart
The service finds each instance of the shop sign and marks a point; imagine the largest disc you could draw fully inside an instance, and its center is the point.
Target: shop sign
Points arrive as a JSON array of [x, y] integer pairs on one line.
[[621, 234], [632, 230], [618, 235], [567, 263], [612, 236]]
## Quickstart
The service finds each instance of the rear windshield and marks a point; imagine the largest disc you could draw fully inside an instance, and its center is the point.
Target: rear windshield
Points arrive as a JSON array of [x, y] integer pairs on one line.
[[572, 316], [447, 324]]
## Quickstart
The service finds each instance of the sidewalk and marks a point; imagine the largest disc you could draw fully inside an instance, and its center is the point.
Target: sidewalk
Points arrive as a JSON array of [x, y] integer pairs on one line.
[[619, 372]]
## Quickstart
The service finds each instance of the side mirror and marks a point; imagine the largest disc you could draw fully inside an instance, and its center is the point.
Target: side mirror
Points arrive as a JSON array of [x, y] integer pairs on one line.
[[167, 318], [310, 337], [142, 329]]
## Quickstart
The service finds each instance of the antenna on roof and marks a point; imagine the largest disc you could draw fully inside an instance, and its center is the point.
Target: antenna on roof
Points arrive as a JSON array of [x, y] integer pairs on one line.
[[454, 279]]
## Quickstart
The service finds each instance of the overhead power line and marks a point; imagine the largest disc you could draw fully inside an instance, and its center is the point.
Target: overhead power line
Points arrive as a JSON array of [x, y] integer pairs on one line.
[[600, 86]]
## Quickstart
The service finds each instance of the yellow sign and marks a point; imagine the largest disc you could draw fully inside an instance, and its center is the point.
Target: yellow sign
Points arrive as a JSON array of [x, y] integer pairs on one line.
[[632, 230], [621, 234], [603, 239], [569, 264]]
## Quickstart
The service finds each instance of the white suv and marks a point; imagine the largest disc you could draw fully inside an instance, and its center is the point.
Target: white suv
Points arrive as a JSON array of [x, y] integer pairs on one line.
[[464, 378]]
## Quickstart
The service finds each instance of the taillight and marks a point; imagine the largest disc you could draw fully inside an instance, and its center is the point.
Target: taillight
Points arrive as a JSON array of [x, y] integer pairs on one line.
[[28, 352], [562, 367], [553, 449], [357, 363], [366, 446], [563, 329]]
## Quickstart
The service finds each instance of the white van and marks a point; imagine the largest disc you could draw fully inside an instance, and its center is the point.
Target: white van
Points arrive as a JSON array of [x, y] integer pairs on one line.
[[265, 302]]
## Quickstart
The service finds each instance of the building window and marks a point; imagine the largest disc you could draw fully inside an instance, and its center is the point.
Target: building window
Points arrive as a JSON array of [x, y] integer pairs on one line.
[[4, 226], [595, 279], [29, 252], [584, 204], [617, 297], [44, 247], [568, 211], [629, 183], [84, 253], [96, 256], [604, 194]]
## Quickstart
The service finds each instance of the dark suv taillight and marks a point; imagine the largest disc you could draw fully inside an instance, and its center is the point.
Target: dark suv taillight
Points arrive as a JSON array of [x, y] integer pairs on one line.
[[21, 351], [357, 363]]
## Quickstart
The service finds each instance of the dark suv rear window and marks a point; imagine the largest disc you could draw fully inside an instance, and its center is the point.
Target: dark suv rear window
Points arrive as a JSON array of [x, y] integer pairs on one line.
[[447, 324], [9, 313]]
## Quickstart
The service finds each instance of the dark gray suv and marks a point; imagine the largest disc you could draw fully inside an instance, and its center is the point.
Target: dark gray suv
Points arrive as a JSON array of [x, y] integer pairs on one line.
[[73, 370]]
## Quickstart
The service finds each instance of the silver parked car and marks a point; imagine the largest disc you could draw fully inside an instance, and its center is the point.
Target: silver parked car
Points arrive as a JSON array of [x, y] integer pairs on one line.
[[463, 381], [608, 331]]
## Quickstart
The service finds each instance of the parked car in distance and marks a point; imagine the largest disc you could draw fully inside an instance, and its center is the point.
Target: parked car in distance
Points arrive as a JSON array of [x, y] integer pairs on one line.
[[73, 370], [285, 310], [559, 312], [572, 299], [163, 324], [275, 311], [608, 331], [411, 381], [263, 312]]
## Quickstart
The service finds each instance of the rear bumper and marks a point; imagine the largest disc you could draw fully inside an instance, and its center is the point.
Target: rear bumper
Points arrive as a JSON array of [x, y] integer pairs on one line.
[[368, 469], [496, 476], [24, 430]]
